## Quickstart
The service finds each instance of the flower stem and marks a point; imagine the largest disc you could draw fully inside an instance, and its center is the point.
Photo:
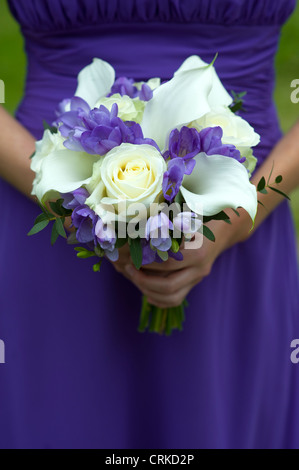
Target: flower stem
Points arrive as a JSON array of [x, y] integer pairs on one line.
[[161, 320]]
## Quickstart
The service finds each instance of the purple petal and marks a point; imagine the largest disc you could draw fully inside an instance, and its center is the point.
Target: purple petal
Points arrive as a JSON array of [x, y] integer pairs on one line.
[[189, 166], [145, 93], [84, 232], [112, 255], [162, 244], [148, 255], [177, 256], [78, 104]]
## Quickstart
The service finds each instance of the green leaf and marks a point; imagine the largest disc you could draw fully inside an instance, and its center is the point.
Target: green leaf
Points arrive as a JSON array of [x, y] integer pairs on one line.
[[54, 234], [279, 192], [120, 242], [59, 209], [52, 129], [31, 156], [264, 191], [40, 218], [238, 106], [60, 228], [45, 210], [136, 252], [62, 210], [38, 227], [261, 185], [220, 216], [236, 212], [208, 233], [259, 202], [237, 103], [278, 179]]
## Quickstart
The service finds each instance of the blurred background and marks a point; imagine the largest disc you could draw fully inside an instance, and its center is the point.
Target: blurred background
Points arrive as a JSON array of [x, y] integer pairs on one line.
[[13, 66]]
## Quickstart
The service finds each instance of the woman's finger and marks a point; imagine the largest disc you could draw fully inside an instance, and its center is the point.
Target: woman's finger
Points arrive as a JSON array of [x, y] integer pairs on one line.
[[168, 285], [169, 301]]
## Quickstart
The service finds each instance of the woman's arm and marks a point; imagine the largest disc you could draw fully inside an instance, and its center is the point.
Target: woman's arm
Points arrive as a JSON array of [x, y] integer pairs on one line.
[[16, 146], [285, 157], [180, 277]]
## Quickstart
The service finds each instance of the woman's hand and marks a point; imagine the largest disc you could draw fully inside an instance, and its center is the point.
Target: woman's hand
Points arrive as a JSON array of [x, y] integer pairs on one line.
[[124, 260], [167, 284]]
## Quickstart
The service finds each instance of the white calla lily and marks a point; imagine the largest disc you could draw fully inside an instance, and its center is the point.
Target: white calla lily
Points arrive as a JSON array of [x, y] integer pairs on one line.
[[63, 171], [190, 94], [95, 81], [217, 183], [218, 93], [49, 143]]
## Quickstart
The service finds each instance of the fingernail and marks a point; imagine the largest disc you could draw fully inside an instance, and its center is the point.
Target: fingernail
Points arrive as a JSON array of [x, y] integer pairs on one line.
[[130, 270]]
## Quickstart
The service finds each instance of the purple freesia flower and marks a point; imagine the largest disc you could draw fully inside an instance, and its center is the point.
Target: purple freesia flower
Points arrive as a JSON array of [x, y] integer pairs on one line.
[[157, 238], [125, 86], [157, 231], [73, 118], [211, 144], [105, 236], [83, 218], [184, 144], [75, 198], [90, 228], [148, 254], [151, 256], [173, 178], [187, 223], [61, 109], [99, 130]]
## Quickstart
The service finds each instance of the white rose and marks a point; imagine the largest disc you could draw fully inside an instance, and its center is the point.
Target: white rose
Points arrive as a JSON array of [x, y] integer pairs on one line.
[[236, 131], [128, 109], [129, 174]]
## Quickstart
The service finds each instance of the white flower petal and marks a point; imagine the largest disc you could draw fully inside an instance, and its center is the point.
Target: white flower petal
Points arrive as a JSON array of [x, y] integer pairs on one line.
[[63, 171], [218, 183], [186, 97], [43, 147], [95, 81], [218, 93]]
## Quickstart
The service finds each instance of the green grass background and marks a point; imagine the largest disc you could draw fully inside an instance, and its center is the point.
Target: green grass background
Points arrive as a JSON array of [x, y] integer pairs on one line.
[[13, 67]]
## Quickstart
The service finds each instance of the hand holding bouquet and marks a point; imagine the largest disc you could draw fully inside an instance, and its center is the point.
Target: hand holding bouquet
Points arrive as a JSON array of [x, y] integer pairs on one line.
[[146, 164]]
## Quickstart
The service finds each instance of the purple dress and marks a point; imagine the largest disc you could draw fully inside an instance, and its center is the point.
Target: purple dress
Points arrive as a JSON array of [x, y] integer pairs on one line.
[[77, 372]]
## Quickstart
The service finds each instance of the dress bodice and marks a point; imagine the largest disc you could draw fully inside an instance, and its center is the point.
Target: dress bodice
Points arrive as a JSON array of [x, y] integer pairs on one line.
[[51, 15], [149, 38]]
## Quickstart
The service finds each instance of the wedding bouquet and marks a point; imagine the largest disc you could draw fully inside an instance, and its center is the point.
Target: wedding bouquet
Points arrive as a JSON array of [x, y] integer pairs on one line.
[[144, 164]]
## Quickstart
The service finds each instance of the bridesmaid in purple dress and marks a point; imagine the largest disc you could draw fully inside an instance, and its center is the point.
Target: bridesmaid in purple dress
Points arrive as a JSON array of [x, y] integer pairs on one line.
[[77, 372]]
